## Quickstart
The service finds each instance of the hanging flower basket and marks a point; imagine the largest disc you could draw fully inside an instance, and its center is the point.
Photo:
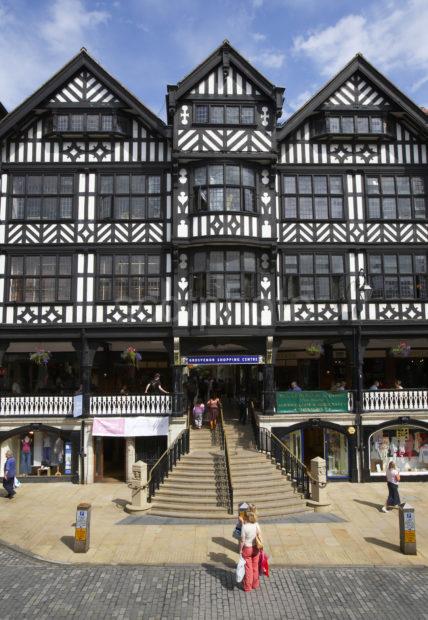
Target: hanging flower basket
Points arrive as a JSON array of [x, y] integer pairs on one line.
[[40, 357], [315, 349], [403, 349], [131, 356]]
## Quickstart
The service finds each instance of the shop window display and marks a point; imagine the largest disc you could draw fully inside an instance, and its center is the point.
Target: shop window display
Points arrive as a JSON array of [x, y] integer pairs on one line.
[[336, 453], [406, 446]]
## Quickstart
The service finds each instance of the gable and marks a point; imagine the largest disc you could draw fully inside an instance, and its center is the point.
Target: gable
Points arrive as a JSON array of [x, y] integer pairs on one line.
[[357, 91], [216, 83], [84, 88]]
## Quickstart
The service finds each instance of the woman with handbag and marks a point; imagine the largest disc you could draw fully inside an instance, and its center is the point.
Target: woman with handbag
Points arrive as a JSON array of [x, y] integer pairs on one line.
[[251, 544]]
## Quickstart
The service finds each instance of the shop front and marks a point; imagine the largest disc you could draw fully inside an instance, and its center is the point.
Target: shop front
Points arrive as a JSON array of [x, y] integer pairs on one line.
[[43, 453], [403, 441], [332, 442]]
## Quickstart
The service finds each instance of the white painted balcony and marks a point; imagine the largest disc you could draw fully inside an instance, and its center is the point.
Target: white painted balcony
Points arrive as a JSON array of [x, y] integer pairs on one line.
[[131, 405], [24, 406], [395, 400]]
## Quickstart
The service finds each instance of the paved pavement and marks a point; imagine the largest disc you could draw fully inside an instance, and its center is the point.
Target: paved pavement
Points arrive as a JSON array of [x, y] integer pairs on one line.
[[355, 532], [35, 589]]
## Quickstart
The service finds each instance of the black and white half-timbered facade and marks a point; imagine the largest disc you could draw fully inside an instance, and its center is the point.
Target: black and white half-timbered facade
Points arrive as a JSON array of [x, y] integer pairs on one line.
[[224, 251]]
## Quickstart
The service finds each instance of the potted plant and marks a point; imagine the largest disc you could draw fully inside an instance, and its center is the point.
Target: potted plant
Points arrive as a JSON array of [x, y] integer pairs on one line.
[[131, 356], [402, 349], [40, 357], [314, 349]]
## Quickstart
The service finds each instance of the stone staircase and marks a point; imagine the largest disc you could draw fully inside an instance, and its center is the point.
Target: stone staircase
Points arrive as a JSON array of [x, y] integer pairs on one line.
[[197, 486]]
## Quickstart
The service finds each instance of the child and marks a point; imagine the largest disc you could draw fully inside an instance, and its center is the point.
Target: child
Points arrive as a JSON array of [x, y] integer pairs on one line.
[[198, 412], [392, 480]]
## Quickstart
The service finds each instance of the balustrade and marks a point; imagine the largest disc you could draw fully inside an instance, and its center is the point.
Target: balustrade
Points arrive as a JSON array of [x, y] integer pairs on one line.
[[395, 400], [131, 405], [36, 406]]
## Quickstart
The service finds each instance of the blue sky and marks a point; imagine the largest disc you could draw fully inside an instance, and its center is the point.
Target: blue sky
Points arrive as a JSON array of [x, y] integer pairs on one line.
[[298, 44]]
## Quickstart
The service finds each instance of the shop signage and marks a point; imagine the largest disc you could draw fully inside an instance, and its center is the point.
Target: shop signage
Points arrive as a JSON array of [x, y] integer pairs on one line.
[[312, 402], [135, 426], [77, 405], [81, 521], [223, 359], [67, 457]]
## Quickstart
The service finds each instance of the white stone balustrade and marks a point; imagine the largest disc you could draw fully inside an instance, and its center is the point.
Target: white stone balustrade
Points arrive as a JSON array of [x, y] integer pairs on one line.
[[395, 400], [36, 406], [131, 405]]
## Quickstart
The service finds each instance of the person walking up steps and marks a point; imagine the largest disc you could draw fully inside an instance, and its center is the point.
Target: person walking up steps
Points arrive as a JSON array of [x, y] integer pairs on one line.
[[213, 406], [198, 412], [392, 480], [250, 531]]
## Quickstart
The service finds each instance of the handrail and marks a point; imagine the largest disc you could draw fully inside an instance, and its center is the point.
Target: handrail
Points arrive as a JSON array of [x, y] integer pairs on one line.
[[166, 462], [223, 440], [270, 443]]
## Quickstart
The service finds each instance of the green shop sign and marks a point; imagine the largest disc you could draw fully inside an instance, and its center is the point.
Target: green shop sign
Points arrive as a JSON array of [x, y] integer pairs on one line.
[[312, 402]]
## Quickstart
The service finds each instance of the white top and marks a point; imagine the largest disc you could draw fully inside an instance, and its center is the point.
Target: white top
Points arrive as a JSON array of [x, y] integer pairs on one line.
[[391, 475], [248, 534]]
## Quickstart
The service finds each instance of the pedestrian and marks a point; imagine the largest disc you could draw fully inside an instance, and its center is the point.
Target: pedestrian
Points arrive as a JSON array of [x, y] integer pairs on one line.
[[397, 385], [243, 406], [375, 386], [154, 386], [213, 406], [9, 475], [198, 412], [124, 390], [392, 480], [294, 387], [250, 551]]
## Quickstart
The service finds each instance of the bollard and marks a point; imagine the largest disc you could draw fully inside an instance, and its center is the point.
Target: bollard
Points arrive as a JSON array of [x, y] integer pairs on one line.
[[319, 501], [83, 528], [138, 485], [407, 529]]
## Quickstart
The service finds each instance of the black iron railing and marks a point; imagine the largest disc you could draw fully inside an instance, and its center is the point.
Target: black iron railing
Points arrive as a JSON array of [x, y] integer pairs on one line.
[[223, 443], [167, 462], [270, 444]]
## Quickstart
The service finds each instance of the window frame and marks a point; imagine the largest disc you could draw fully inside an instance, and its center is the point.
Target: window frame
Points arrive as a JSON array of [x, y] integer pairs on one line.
[[225, 123], [26, 195], [397, 273], [381, 195], [339, 278], [39, 277], [207, 187], [145, 277], [321, 125], [116, 195], [199, 276], [119, 123], [328, 195]]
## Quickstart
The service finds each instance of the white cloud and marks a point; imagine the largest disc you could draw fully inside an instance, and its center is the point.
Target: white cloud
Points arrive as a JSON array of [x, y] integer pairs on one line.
[[30, 51], [258, 36], [392, 34], [269, 59], [69, 23], [294, 104]]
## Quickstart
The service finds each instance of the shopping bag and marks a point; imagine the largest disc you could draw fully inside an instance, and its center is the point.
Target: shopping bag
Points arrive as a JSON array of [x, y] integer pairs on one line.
[[237, 532], [263, 563], [240, 569], [16, 483]]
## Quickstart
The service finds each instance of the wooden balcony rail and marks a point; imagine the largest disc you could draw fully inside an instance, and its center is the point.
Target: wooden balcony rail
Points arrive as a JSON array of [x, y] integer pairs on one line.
[[131, 405], [395, 400], [36, 406]]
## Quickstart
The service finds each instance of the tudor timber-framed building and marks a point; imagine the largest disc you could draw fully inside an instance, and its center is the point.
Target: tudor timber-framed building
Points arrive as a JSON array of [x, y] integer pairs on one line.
[[221, 243]]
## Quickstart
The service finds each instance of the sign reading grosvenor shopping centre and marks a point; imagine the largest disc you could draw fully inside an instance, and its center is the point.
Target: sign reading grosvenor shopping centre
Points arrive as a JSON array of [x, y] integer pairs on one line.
[[197, 360], [312, 402]]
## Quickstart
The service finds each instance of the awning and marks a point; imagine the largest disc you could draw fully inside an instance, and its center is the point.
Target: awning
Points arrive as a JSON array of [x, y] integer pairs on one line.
[[136, 426]]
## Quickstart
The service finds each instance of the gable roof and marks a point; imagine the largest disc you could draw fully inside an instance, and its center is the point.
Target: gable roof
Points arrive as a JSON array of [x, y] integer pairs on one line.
[[413, 113], [224, 55], [59, 80]]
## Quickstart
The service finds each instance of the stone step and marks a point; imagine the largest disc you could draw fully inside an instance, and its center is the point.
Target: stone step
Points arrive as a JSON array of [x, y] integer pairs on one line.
[[178, 514], [264, 484], [189, 477], [268, 494], [195, 486], [282, 511], [189, 491], [161, 504], [188, 502]]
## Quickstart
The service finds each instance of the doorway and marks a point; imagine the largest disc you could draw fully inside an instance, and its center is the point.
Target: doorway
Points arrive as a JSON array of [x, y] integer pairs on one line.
[[109, 459], [313, 445]]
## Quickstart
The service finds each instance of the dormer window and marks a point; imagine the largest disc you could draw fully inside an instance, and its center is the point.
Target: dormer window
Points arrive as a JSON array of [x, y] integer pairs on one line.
[[352, 125], [205, 114], [90, 122]]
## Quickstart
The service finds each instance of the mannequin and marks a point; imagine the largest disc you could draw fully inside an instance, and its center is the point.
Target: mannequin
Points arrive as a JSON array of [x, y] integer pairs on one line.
[[46, 448], [58, 451], [26, 455], [384, 450]]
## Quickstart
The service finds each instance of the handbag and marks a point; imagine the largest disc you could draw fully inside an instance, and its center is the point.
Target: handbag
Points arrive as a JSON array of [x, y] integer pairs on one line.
[[259, 542], [16, 483], [240, 569], [237, 532]]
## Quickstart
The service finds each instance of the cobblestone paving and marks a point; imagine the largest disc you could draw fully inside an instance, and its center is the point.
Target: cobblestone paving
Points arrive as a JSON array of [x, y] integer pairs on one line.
[[34, 589]]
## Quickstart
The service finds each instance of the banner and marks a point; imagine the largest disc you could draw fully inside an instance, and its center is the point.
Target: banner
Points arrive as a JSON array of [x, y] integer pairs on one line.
[[223, 359], [138, 426], [312, 402], [77, 405]]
